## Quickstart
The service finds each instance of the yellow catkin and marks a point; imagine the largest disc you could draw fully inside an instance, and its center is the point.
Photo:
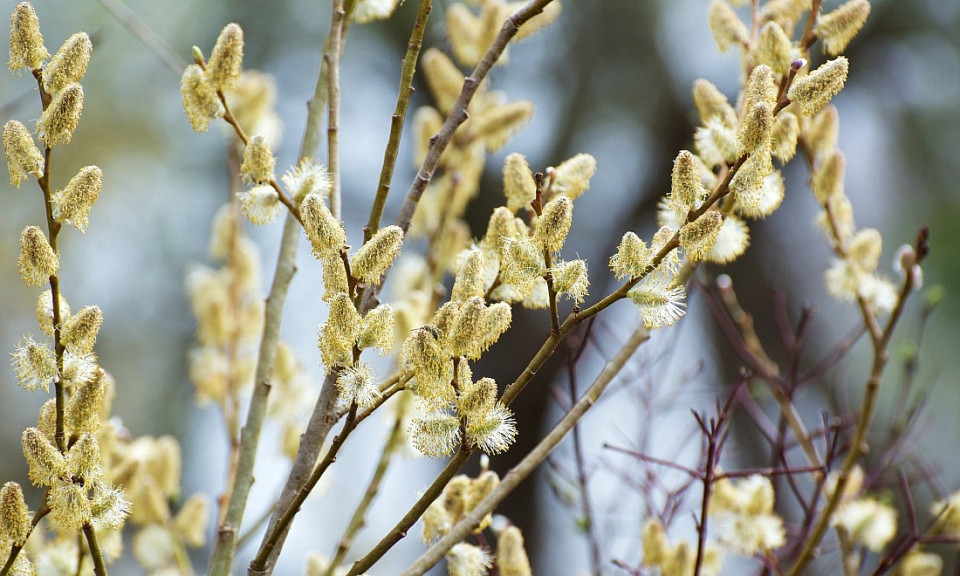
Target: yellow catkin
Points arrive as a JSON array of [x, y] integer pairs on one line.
[[469, 281], [711, 103], [82, 413], [755, 129], [786, 129], [762, 86], [14, 515], [839, 27], [26, 42], [572, 177], [83, 458], [59, 121], [324, 231], [37, 260], [698, 237], [822, 130], [427, 121], [774, 49], [554, 223], [443, 77], [511, 554], [200, 101], [192, 519], [80, 330], [69, 64], [258, 161], [23, 156], [375, 256], [74, 202], [496, 126], [814, 91], [686, 187], [45, 462], [828, 177], [726, 27], [463, 30], [226, 59], [632, 257], [377, 330], [519, 186]]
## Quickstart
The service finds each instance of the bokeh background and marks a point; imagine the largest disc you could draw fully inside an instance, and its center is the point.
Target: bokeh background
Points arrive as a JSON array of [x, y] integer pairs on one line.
[[610, 78]]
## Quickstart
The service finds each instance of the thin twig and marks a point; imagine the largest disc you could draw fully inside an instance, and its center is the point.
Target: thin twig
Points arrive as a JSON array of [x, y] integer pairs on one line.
[[408, 68], [142, 31], [99, 568]]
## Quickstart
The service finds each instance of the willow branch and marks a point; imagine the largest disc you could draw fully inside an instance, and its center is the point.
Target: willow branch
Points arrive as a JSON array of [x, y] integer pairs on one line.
[[142, 31], [224, 549], [358, 520], [408, 69], [331, 56], [99, 568], [531, 461]]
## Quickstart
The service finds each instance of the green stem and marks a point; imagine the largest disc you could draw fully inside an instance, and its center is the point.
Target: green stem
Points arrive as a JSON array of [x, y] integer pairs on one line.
[[358, 520], [408, 69], [99, 568]]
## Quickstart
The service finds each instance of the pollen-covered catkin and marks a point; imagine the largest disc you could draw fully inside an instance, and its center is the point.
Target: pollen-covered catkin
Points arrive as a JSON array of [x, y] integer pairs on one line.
[[511, 554], [828, 177], [35, 365], [377, 329], [839, 27], [467, 560], [37, 260], [358, 384], [83, 458], [443, 77], [554, 224], [755, 129], [783, 138], [26, 42], [375, 256], [192, 519], [74, 202], [726, 27], [200, 101], [45, 311], [698, 237], [260, 204], [814, 91], [59, 121], [82, 413], [711, 103], [69, 64], [226, 59], [519, 186], [80, 330], [632, 257], [686, 187], [469, 281], [258, 161], [572, 177], [774, 48], [324, 231], [307, 178], [14, 515], [46, 463], [23, 156]]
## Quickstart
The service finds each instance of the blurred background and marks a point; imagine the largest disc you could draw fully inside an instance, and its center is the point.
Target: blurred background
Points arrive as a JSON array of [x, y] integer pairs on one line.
[[610, 79]]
